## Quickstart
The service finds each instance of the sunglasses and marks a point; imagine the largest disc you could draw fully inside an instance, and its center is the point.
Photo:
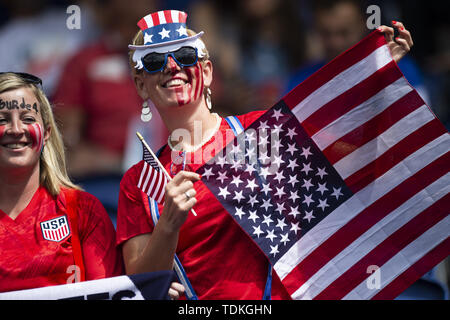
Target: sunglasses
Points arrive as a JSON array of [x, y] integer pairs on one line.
[[27, 77], [184, 57]]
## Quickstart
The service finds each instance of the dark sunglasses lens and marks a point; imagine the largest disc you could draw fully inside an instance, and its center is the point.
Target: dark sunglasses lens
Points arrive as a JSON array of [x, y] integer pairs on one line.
[[153, 61], [186, 56]]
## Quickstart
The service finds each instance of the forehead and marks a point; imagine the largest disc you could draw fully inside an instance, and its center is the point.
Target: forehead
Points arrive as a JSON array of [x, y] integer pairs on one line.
[[20, 95], [23, 92]]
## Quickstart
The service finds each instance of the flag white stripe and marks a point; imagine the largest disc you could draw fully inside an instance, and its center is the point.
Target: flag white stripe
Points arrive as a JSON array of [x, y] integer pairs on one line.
[[372, 238], [160, 178], [154, 177], [373, 149], [342, 82], [149, 20], [162, 17], [175, 16], [359, 201], [144, 169], [147, 178], [361, 114], [404, 259]]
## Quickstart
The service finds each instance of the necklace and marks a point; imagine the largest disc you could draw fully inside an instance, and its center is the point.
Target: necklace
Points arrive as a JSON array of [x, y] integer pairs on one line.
[[204, 141]]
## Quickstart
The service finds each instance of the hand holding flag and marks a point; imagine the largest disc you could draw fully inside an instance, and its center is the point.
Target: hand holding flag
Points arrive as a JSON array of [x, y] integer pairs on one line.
[[154, 176]]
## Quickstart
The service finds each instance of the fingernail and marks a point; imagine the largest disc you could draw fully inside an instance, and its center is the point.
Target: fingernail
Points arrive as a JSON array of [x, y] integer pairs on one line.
[[394, 22], [401, 28]]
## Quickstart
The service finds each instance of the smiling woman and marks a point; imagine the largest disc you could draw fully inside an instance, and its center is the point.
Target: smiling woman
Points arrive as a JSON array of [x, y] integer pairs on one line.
[[172, 71], [39, 124], [35, 190]]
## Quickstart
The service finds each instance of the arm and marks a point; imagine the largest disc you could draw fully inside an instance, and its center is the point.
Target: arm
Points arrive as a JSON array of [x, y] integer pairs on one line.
[[401, 45], [155, 251]]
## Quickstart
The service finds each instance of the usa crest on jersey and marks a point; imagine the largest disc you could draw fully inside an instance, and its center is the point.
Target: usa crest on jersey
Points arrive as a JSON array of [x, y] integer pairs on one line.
[[55, 229]]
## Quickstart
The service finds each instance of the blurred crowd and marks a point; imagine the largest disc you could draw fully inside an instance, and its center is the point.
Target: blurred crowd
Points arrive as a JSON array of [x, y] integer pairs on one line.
[[260, 50]]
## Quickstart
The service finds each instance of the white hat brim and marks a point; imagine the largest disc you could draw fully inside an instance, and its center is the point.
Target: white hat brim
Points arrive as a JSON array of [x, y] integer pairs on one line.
[[163, 44]]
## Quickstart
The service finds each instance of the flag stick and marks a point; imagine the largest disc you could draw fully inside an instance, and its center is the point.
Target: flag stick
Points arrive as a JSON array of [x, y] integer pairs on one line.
[[159, 163]]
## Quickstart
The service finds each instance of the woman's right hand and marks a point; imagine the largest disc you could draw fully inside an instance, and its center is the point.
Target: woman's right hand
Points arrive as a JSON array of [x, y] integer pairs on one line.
[[179, 200]]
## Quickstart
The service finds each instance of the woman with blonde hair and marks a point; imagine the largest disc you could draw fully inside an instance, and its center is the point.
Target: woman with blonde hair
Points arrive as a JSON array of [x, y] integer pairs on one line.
[[216, 259], [51, 232]]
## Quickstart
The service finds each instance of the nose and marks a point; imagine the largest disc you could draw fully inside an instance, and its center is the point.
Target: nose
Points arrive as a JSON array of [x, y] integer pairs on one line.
[[16, 127], [172, 65]]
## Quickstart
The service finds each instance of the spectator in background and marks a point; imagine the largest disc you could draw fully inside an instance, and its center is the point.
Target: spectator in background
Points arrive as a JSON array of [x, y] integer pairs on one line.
[[272, 43], [338, 25], [38, 40]]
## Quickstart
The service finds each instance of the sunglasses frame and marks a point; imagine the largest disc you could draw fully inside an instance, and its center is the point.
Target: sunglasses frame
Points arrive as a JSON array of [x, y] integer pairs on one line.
[[171, 53], [27, 77]]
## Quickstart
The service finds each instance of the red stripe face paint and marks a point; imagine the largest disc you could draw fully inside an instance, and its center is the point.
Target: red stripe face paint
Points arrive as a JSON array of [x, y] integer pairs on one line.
[[37, 136], [187, 94], [2, 132]]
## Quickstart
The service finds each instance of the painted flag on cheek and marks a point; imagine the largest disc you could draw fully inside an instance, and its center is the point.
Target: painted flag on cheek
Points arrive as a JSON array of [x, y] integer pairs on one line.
[[37, 136], [193, 91], [357, 179]]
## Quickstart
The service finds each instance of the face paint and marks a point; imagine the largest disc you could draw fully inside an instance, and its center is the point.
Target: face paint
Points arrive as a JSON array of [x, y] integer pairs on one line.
[[37, 136], [187, 94]]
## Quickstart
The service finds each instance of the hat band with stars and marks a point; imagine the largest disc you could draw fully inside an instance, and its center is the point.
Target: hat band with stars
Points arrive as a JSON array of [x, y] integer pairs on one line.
[[165, 31]]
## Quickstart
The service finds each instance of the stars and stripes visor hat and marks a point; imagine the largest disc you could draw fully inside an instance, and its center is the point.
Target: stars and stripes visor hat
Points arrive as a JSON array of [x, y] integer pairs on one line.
[[165, 31]]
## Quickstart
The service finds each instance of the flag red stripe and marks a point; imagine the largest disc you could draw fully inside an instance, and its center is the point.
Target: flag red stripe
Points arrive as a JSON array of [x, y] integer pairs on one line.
[[182, 17], [414, 272], [328, 72], [168, 16], [142, 24], [395, 155], [373, 128], [386, 249], [351, 98], [155, 18], [364, 221], [146, 169], [154, 193], [153, 174], [160, 190]]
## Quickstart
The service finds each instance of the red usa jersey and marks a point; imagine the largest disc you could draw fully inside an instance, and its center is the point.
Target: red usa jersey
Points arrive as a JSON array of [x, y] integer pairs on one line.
[[36, 247], [220, 260]]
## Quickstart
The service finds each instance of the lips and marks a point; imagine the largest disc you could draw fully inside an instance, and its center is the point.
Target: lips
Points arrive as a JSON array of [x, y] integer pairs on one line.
[[15, 145], [174, 82]]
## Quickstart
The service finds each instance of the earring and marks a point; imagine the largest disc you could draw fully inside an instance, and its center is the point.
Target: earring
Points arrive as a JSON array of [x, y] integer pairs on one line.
[[208, 98], [146, 114]]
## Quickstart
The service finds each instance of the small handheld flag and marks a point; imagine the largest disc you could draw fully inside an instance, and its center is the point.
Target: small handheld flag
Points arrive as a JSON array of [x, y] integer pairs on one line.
[[154, 176]]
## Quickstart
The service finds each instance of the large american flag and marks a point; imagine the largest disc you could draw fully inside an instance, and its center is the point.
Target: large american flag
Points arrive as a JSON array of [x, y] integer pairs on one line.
[[358, 180], [152, 180]]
